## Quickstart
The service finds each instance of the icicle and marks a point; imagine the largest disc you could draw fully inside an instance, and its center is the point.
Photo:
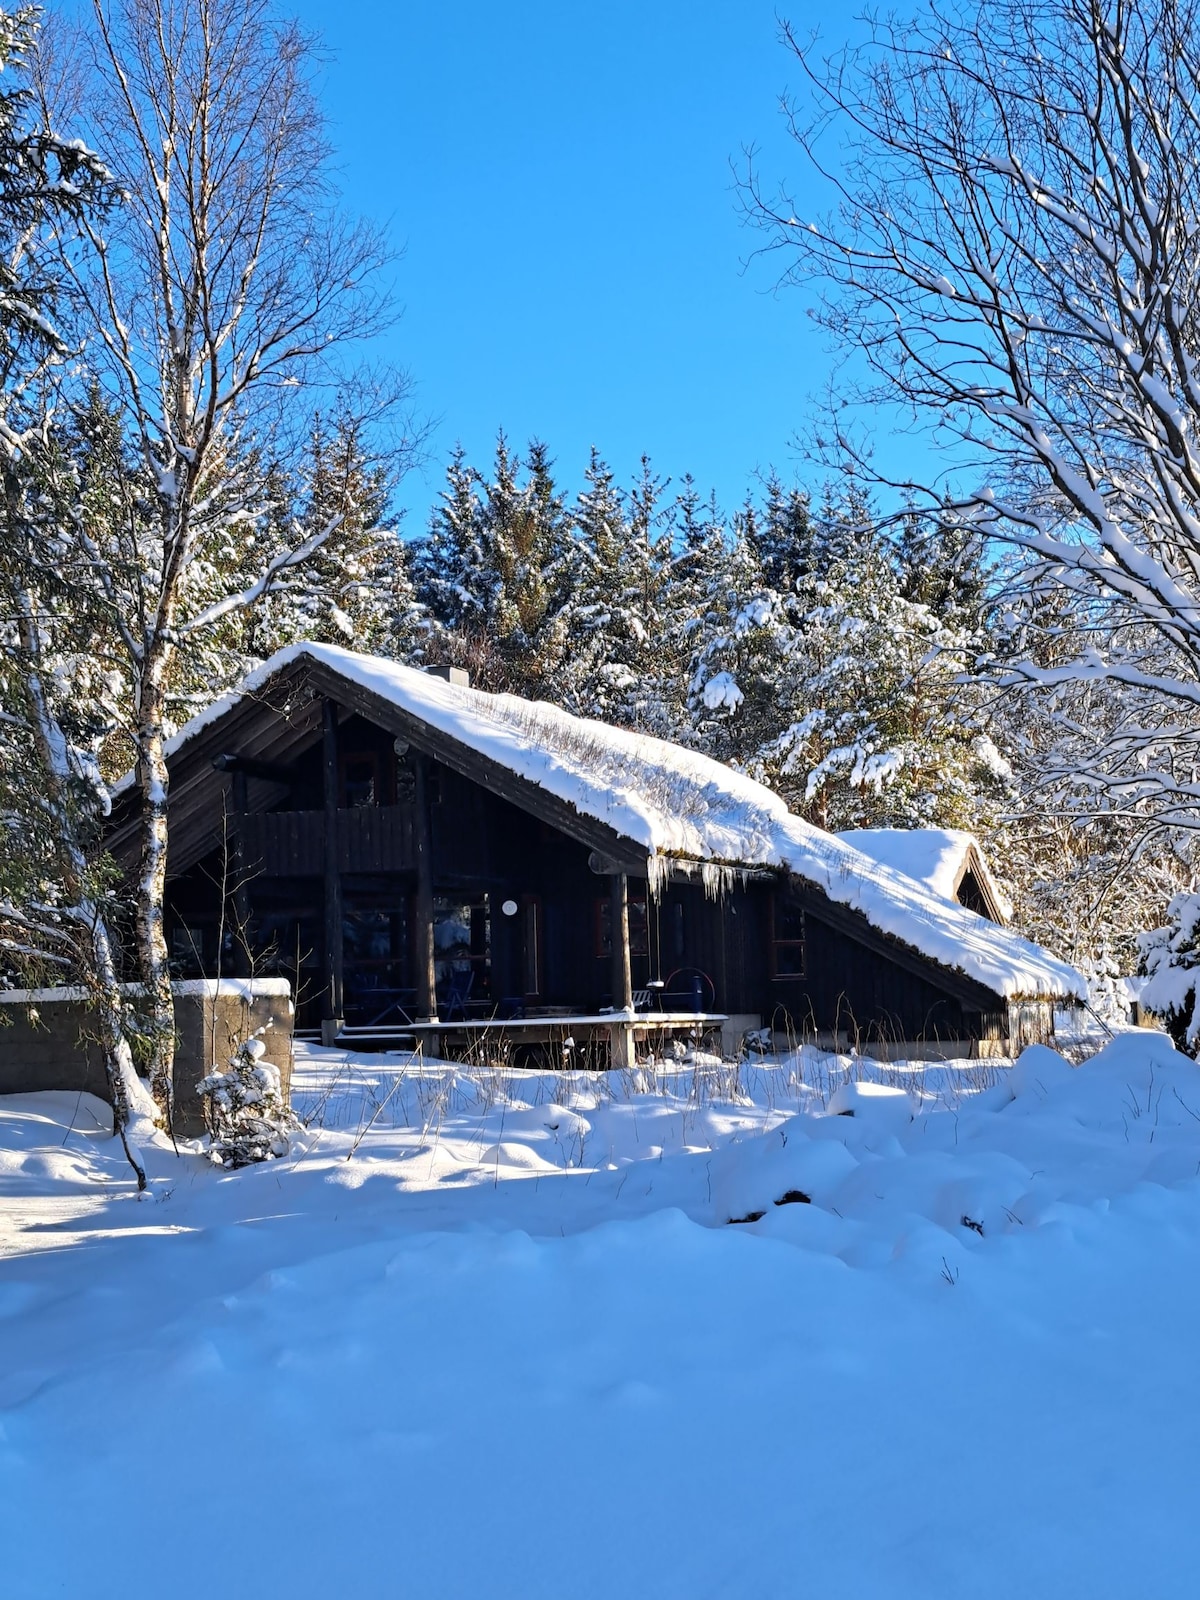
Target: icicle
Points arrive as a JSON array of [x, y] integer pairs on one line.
[[657, 871], [718, 879]]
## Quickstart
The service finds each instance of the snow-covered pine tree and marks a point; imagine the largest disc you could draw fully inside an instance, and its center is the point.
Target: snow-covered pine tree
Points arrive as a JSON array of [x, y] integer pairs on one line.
[[448, 560], [244, 1107], [357, 589], [646, 676], [782, 536], [842, 693], [594, 674], [940, 561], [525, 537], [495, 571], [1171, 959]]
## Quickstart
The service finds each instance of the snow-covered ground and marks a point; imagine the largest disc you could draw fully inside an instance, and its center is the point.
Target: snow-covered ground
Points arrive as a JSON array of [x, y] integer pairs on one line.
[[491, 1335]]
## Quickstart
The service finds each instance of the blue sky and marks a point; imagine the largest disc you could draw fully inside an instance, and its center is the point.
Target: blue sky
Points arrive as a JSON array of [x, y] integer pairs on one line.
[[559, 176]]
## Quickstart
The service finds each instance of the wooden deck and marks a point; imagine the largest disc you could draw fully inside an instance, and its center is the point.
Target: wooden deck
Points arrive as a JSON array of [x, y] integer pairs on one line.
[[621, 1031]]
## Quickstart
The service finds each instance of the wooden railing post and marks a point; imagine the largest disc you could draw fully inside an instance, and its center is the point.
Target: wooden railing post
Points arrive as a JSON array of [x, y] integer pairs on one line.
[[236, 868], [334, 1017], [621, 1052], [424, 973]]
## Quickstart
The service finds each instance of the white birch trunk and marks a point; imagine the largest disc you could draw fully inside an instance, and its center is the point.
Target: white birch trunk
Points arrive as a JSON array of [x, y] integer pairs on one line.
[[154, 782], [133, 1107]]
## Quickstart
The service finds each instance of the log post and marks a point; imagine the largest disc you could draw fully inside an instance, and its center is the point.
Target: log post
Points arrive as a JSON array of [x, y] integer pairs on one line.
[[622, 980], [334, 1017], [621, 1051], [424, 971], [236, 858]]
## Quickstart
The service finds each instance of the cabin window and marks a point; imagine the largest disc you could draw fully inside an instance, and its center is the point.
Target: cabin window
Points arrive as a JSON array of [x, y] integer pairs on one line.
[[192, 949], [462, 946], [639, 928], [787, 938], [288, 938], [288, 942], [375, 961], [373, 934], [360, 779]]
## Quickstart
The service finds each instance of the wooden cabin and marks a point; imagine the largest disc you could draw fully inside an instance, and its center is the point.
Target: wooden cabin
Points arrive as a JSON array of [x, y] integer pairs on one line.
[[419, 858]]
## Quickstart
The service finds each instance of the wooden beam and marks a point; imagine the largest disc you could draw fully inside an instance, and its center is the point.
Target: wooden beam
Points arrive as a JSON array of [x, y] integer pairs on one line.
[[334, 999], [424, 971], [248, 766], [235, 818], [622, 979]]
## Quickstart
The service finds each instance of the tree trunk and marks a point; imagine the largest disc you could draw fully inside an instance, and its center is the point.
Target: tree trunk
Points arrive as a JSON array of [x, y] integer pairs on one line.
[[154, 782], [130, 1102]]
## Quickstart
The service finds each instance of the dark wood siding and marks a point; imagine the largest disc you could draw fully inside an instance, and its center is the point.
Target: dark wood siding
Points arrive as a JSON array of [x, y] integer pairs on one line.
[[868, 995], [280, 844]]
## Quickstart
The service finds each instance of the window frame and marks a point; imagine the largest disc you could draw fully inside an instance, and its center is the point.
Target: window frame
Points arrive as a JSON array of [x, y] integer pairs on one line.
[[779, 944], [639, 929]]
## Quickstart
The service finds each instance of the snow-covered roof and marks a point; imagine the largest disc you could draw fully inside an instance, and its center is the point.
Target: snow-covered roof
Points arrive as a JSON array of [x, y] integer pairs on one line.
[[936, 857], [673, 802]]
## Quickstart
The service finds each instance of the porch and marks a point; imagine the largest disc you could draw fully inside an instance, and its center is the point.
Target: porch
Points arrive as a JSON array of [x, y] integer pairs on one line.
[[598, 1039]]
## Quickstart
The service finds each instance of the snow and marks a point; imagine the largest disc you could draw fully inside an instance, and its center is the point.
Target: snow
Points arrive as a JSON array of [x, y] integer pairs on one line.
[[935, 857], [40, 997], [496, 1335], [675, 803], [247, 988], [722, 690]]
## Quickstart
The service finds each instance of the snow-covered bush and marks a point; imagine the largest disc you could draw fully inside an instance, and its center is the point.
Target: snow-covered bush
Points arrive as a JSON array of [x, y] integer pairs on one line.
[[1171, 957], [1107, 995], [248, 1119]]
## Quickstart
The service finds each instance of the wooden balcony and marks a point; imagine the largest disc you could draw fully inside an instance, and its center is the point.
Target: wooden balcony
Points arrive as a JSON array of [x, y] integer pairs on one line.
[[284, 844]]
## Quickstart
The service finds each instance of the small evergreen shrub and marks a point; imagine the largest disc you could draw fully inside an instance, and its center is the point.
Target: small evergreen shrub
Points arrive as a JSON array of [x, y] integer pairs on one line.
[[248, 1120]]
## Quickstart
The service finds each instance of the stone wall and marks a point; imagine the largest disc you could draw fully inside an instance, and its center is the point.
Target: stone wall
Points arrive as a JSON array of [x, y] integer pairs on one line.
[[47, 1039]]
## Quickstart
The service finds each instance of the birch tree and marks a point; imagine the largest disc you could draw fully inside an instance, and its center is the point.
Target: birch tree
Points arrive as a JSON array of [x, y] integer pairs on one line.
[[1013, 254], [218, 299]]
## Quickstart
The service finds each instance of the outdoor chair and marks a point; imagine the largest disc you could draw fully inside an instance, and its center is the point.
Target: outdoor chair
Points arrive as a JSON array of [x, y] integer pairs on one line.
[[458, 994]]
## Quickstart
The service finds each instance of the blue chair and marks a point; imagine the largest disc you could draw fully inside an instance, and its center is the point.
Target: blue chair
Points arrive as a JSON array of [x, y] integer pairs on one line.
[[458, 994]]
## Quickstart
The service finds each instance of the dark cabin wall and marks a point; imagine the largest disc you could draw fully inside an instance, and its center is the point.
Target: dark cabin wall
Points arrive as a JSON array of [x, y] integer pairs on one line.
[[860, 992]]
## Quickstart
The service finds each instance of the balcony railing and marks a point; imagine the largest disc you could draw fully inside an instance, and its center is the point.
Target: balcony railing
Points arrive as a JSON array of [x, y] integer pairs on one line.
[[287, 844]]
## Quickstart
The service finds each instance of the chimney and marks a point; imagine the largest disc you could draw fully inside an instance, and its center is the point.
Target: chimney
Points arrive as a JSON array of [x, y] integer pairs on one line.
[[459, 676]]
